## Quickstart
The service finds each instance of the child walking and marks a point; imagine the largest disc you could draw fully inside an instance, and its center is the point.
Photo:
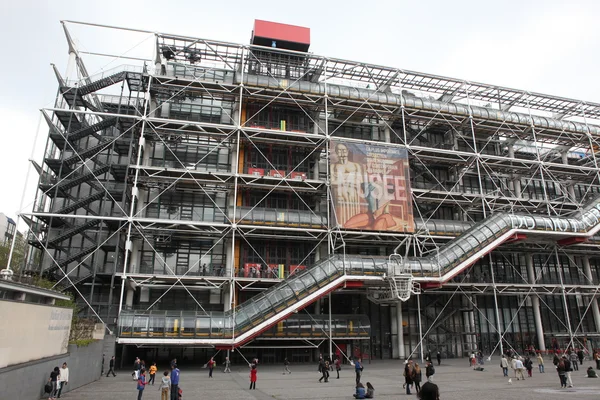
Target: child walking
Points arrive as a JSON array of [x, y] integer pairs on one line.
[[141, 383], [165, 385]]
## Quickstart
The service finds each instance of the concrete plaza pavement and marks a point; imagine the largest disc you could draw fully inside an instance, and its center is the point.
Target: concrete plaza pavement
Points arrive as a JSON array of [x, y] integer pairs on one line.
[[455, 379]]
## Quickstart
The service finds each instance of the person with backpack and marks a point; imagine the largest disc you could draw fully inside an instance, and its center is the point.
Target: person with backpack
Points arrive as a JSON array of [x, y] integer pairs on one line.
[[141, 383], [53, 381], [227, 364], [286, 367], [338, 366], [429, 371]]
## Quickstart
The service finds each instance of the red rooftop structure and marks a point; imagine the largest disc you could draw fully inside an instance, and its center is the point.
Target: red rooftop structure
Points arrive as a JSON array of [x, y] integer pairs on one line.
[[281, 36]]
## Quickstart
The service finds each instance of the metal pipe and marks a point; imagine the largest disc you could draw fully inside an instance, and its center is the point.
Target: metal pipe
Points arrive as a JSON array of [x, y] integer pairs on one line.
[[425, 104]]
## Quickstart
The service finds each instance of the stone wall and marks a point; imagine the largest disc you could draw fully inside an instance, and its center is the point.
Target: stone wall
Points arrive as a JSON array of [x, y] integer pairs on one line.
[[26, 381], [32, 331]]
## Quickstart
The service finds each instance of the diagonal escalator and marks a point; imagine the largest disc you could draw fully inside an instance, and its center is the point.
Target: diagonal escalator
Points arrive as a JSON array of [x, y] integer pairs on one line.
[[248, 320]]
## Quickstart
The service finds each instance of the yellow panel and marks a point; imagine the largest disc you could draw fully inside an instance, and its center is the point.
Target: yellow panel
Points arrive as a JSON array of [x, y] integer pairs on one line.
[[241, 163], [243, 121], [351, 326], [280, 327]]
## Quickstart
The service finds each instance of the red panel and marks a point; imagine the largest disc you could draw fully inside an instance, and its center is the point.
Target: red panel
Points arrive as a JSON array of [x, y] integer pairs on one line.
[[299, 176], [571, 240], [277, 31], [256, 171], [354, 284], [431, 285]]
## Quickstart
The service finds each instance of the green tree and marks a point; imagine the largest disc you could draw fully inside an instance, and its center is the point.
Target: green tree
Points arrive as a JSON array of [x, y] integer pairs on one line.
[[19, 254]]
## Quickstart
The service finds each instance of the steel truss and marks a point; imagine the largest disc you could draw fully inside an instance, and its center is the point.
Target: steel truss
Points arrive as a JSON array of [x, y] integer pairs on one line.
[[111, 160]]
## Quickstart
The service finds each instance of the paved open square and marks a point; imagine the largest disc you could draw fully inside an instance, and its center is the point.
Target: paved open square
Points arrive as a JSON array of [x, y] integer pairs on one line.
[[455, 379]]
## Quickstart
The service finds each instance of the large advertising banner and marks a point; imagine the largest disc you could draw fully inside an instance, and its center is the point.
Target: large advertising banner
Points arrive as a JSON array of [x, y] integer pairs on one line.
[[371, 187]]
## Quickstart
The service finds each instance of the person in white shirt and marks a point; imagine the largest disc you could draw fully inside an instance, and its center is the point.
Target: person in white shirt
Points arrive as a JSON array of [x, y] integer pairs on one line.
[[519, 367], [64, 378]]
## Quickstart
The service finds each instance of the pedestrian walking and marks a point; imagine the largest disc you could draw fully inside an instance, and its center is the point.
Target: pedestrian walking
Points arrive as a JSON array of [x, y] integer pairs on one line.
[[439, 358], [324, 366], [111, 367], [580, 356], [358, 369], [540, 361], [519, 367], [528, 366], [416, 377], [153, 370], [597, 359], [338, 366], [253, 373], [574, 361], [227, 365], [429, 371], [568, 370], [64, 379], [211, 366], [136, 369], [408, 376], [141, 383], [53, 380], [560, 368], [165, 386], [286, 366], [102, 369], [504, 365], [175, 382]]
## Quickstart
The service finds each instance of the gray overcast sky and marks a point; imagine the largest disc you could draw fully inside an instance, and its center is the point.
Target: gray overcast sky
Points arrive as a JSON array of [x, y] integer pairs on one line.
[[544, 46]]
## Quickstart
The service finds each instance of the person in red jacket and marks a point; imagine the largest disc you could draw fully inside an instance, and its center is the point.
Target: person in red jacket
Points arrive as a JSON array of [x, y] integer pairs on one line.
[[253, 372], [211, 366]]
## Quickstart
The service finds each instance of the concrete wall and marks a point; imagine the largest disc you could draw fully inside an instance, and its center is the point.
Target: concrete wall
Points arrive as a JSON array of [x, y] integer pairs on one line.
[[26, 381], [32, 331]]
